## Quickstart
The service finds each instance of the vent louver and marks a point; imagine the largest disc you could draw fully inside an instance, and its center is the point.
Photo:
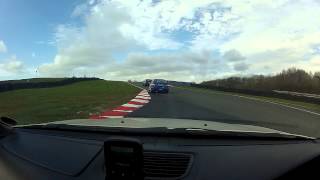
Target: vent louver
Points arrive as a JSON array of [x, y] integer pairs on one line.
[[160, 165]]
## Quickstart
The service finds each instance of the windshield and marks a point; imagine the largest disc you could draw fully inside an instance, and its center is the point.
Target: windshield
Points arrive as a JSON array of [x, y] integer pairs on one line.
[[253, 63]]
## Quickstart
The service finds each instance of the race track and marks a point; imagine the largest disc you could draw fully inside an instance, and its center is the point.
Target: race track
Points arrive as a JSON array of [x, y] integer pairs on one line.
[[217, 106]]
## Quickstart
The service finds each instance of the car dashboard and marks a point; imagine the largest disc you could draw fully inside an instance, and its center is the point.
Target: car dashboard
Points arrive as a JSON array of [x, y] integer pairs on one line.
[[57, 154]]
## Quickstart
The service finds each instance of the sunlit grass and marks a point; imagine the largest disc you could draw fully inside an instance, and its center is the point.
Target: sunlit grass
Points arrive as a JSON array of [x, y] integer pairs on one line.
[[73, 101]]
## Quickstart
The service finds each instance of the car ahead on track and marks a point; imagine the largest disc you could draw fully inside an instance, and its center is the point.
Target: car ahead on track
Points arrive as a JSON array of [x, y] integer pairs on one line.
[[158, 86], [147, 82]]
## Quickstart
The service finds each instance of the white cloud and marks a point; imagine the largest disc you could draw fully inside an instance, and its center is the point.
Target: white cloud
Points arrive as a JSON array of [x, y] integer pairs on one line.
[[3, 47], [266, 36], [91, 45], [233, 55], [186, 66], [312, 65], [262, 27], [278, 35], [11, 66], [241, 66], [116, 27], [288, 25], [80, 10]]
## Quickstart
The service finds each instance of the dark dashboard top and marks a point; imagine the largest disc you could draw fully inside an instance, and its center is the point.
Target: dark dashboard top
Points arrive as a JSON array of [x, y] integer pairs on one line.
[[56, 154]]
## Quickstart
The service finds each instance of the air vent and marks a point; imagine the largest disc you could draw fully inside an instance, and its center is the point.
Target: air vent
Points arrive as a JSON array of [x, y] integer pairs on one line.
[[160, 165]]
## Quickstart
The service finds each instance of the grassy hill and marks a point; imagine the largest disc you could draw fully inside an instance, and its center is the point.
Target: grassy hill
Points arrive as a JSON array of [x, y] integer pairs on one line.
[[34, 80], [72, 101]]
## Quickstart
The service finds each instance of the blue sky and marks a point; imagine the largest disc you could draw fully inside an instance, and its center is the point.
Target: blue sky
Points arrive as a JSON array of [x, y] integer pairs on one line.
[[179, 40], [27, 27]]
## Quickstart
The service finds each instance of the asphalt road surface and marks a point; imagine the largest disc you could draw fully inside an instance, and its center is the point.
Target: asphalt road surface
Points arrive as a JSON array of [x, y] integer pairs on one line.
[[220, 107]]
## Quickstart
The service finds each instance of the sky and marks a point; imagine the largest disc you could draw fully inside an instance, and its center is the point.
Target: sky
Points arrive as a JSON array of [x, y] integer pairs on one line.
[[184, 40]]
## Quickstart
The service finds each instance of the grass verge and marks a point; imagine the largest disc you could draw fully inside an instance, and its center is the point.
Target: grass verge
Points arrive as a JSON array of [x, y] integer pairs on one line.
[[73, 101]]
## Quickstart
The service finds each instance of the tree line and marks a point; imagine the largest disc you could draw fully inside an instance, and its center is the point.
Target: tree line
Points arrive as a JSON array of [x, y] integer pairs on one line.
[[291, 79]]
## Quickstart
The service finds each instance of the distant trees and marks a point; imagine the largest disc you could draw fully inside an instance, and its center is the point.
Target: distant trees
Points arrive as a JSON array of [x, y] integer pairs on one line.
[[292, 79]]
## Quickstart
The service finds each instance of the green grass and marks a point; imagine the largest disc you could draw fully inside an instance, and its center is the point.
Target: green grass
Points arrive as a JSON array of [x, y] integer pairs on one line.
[[73, 101], [297, 104]]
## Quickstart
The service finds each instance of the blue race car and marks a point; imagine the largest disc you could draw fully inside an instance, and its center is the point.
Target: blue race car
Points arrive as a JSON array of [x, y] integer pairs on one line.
[[158, 86]]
